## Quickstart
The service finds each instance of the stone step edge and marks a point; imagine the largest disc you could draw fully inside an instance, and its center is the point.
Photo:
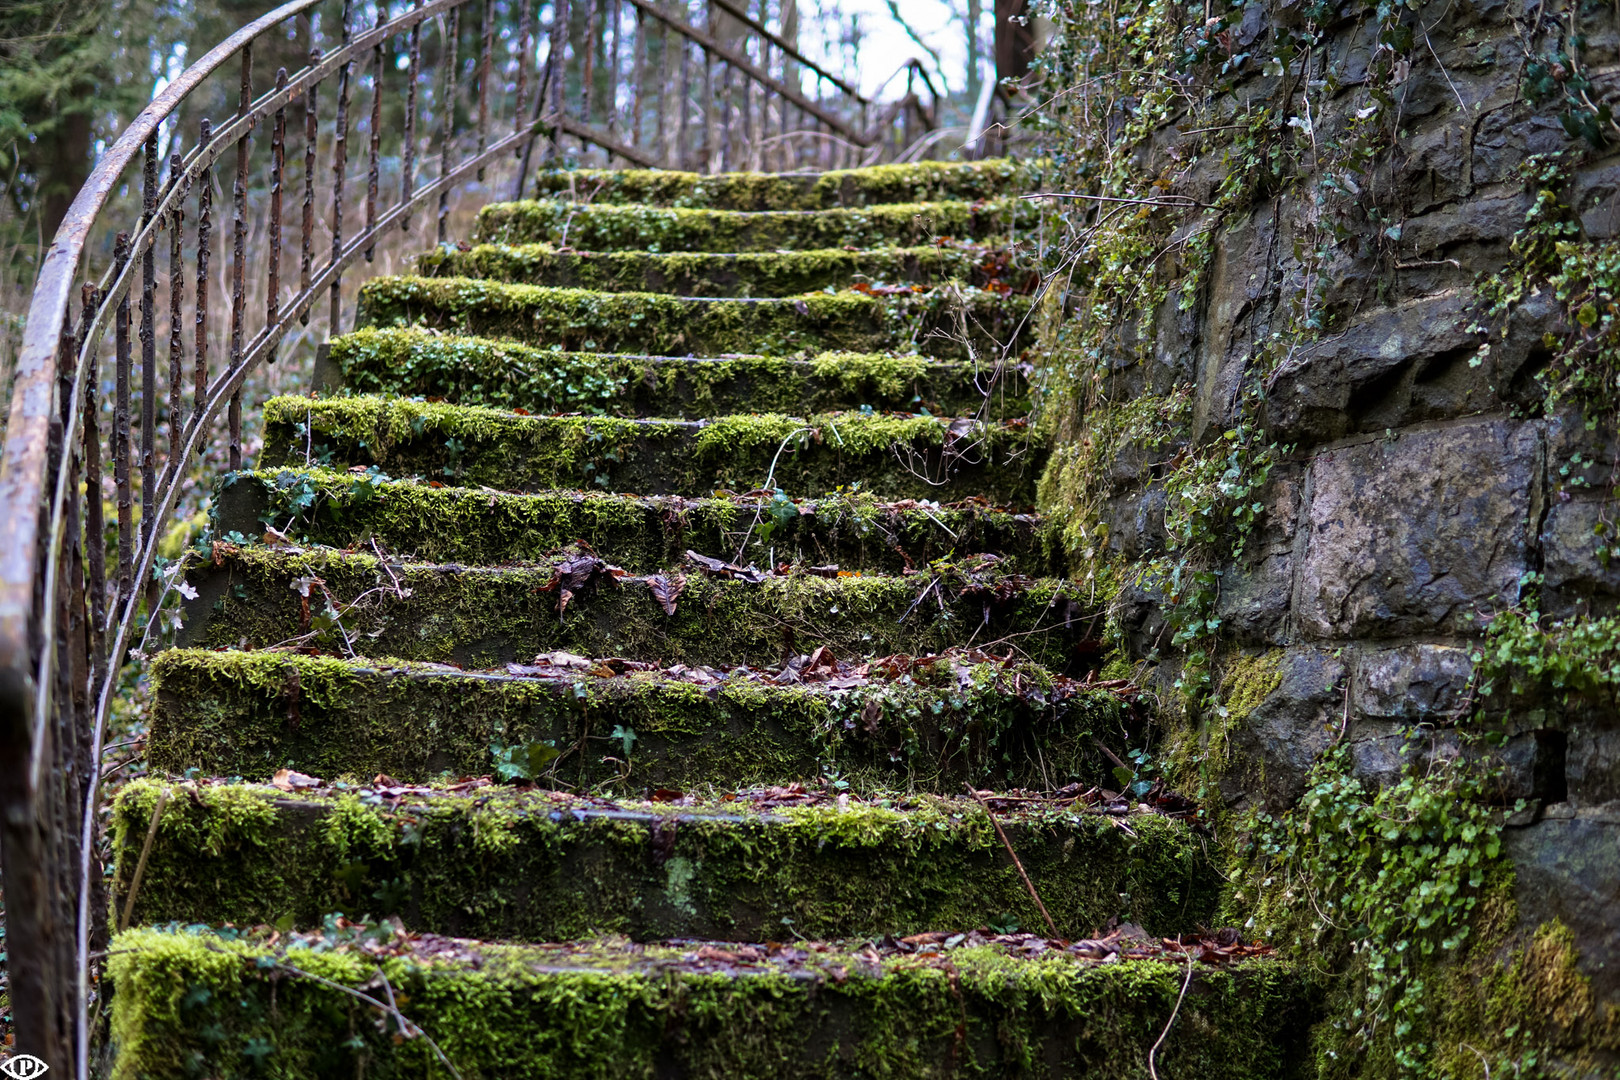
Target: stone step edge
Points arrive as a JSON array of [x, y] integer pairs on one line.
[[307, 505], [481, 860], [931, 723], [693, 1008]]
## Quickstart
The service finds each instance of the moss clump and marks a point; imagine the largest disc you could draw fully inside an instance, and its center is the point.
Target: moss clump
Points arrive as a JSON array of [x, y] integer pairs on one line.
[[642, 534], [251, 713], [611, 227], [506, 374], [190, 1002], [540, 866], [484, 617], [774, 273], [891, 457], [948, 323], [923, 181]]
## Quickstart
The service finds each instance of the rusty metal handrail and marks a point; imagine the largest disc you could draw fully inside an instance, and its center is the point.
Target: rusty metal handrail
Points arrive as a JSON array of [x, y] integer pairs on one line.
[[73, 584]]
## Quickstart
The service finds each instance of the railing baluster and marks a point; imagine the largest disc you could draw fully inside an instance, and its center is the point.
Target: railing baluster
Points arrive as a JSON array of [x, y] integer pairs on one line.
[[613, 80], [149, 190], [239, 255], [725, 117], [638, 76], [311, 142], [707, 112], [340, 164], [407, 181], [121, 422], [177, 295], [525, 51], [556, 59], [588, 71], [278, 151], [376, 131], [683, 103], [95, 525], [205, 227], [484, 68], [661, 128], [447, 116]]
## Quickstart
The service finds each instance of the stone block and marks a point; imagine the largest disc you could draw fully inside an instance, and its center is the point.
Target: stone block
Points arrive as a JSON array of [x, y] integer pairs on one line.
[[1568, 868], [1284, 735], [1411, 683], [1409, 535]]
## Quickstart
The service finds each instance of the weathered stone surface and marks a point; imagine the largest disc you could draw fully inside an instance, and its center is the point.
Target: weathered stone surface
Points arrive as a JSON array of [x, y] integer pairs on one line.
[[1408, 534], [1568, 868], [1592, 765], [1280, 740], [1253, 604], [1411, 683], [1576, 579]]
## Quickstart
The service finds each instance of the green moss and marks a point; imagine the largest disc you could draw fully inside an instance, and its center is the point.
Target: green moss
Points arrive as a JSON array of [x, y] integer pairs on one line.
[[507, 374], [498, 863], [950, 323], [640, 533], [187, 1002], [608, 227], [773, 273], [251, 713], [923, 181], [483, 617], [892, 457]]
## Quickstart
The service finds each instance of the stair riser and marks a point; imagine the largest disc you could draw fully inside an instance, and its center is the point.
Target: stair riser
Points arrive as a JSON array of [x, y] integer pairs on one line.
[[938, 324], [640, 228], [890, 460], [759, 274], [248, 715], [506, 375], [921, 182], [518, 869], [466, 525], [546, 1014], [489, 617]]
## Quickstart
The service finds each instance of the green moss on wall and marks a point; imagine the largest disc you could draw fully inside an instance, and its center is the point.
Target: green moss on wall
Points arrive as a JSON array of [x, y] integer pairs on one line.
[[892, 457], [950, 323], [507, 374], [503, 864]]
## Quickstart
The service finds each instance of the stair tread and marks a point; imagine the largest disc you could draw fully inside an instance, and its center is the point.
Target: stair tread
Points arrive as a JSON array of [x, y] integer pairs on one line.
[[636, 322], [616, 227], [891, 457], [931, 723], [775, 273], [480, 616], [986, 1005], [470, 370], [642, 533], [919, 181], [475, 859]]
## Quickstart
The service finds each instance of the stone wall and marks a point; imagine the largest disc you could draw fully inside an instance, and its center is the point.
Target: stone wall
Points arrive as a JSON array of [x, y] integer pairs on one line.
[[1423, 482]]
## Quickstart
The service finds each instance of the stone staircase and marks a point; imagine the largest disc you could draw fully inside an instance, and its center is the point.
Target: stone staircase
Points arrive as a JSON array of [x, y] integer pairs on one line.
[[622, 633]]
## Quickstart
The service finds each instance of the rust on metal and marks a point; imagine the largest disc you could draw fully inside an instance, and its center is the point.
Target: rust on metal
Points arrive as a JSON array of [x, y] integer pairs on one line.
[[205, 226], [407, 184], [447, 114], [149, 197], [311, 141], [340, 164], [376, 130], [177, 298], [278, 149], [121, 423], [484, 65], [239, 255]]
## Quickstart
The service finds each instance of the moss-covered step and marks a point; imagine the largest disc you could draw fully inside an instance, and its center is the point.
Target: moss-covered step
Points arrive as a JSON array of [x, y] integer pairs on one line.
[[928, 725], [774, 273], [948, 323], [641, 533], [911, 457], [193, 1002], [923, 181], [487, 616], [608, 227], [532, 865], [506, 374]]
